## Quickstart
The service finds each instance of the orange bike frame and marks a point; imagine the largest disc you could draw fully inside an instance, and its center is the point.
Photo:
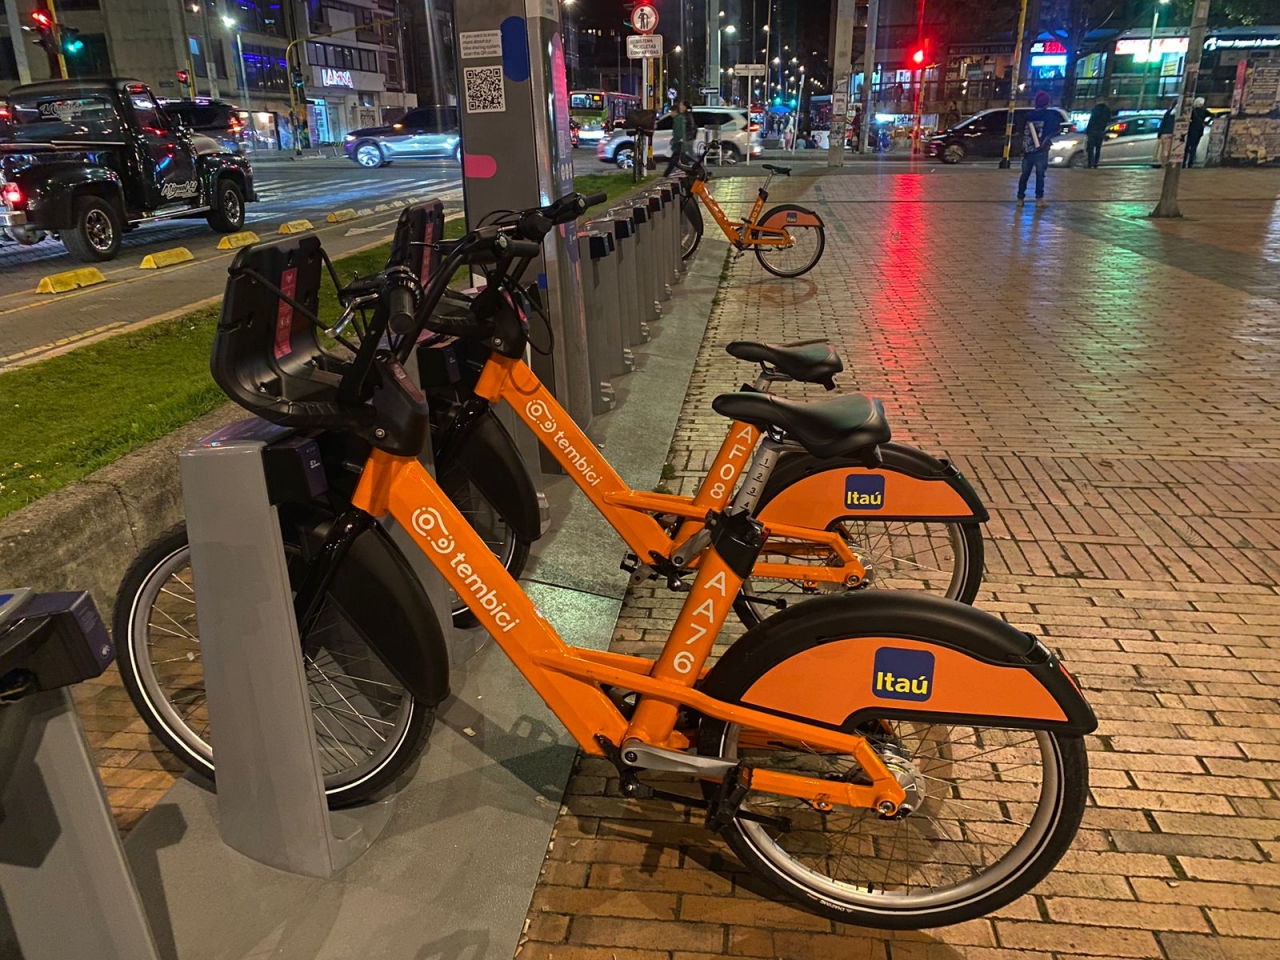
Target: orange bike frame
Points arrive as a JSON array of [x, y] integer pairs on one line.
[[629, 511], [569, 678], [749, 234]]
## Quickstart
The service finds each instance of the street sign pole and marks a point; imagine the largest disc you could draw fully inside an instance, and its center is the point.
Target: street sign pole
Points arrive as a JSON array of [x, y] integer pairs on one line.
[[1013, 86], [868, 73]]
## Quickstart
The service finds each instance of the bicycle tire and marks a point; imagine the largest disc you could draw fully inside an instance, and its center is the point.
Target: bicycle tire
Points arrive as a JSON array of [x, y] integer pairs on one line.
[[692, 227], [160, 559], [817, 232], [1052, 821], [962, 580]]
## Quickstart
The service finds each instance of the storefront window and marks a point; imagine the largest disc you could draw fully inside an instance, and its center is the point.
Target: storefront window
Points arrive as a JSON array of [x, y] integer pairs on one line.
[[265, 69]]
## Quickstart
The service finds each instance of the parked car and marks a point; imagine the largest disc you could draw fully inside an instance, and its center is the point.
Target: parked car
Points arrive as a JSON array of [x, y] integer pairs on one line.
[[1130, 140], [87, 160], [423, 134], [737, 133], [981, 136], [216, 119]]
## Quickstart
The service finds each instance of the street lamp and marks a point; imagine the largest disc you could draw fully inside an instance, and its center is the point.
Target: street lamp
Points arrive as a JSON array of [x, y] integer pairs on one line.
[[242, 77], [727, 30], [1151, 42]]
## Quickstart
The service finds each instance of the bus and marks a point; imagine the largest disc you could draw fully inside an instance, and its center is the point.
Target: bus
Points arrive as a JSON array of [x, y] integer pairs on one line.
[[598, 112]]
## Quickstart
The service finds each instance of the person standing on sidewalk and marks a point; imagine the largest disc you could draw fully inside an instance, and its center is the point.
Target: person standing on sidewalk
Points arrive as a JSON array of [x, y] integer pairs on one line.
[[1096, 132], [679, 136], [1042, 126], [951, 118], [1164, 142], [1200, 118]]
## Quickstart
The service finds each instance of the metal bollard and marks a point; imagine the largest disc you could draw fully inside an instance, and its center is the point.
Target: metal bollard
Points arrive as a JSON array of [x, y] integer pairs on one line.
[[658, 209], [670, 222], [677, 180], [623, 224], [647, 268], [600, 293]]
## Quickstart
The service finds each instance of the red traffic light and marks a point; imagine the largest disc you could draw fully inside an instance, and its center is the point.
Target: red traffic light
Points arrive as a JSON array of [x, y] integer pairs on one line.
[[918, 57], [42, 18], [183, 76]]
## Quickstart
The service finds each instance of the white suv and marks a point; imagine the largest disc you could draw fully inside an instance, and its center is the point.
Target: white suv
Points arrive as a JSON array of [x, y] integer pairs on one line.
[[736, 132]]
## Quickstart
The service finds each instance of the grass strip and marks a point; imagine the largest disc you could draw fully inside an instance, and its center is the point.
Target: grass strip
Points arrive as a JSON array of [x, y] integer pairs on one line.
[[65, 417]]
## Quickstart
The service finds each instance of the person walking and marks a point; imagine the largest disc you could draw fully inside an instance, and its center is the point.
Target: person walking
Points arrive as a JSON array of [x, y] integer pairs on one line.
[[951, 118], [680, 136], [1164, 142], [1200, 118], [1042, 126], [1096, 131]]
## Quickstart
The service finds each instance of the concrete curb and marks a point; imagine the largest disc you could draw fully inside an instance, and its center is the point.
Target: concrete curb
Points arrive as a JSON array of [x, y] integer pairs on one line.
[[84, 536]]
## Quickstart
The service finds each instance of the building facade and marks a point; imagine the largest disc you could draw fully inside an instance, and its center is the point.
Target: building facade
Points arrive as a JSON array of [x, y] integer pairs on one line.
[[322, 67]]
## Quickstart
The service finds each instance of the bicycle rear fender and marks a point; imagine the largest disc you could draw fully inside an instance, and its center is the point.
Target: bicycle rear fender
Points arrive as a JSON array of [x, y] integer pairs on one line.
[[909, 484], [377, 591], [493, 462], [789, 215], [840, 660]]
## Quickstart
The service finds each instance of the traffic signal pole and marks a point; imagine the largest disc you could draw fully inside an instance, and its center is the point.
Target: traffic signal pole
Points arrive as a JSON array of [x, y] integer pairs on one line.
[[845, 14], [1013, 86]]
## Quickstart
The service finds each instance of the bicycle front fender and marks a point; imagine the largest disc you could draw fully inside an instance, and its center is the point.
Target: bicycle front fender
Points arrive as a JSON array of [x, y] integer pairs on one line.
[[493, 463], [379, 594], [789, 215], [841, 660], [909, 485]]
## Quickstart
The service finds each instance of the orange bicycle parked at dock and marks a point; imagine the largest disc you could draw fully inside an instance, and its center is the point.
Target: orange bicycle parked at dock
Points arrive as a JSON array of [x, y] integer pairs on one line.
[[788, 240], [884, 758]]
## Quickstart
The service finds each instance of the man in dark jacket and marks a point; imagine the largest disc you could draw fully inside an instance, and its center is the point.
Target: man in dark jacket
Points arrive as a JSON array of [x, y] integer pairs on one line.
[[679, 136], [1164, 142], [1042, 126], [1200, 118], [1096, 131]]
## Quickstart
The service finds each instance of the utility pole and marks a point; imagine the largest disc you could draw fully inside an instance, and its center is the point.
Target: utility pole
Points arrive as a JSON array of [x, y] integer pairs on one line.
[[210, 68], [844, 13], [1168, 205], [868, 72], [713, 49], [1013, 85], [62, 60]]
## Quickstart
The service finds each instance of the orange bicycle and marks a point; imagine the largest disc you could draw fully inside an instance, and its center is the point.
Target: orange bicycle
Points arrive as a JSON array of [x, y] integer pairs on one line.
[[788, 240], [883, 758]]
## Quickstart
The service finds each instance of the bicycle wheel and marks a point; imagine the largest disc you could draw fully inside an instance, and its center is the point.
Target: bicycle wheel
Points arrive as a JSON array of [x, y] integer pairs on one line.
[[943, 558], [990, 810], [368, 727], [808, 237], [691, 227]]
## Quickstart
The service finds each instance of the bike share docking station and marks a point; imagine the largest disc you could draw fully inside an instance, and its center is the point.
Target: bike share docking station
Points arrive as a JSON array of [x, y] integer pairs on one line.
[[67, 890]]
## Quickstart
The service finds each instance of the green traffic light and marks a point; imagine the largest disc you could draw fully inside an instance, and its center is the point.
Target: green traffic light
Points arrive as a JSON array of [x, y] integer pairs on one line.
[[74, 46]]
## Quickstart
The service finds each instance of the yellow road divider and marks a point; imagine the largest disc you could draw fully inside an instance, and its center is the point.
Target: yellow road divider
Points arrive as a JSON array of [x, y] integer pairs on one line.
[[71, 280], [364, 212], [166, 258], [342, 216], [382, 208], [296, 226], [233, 241]]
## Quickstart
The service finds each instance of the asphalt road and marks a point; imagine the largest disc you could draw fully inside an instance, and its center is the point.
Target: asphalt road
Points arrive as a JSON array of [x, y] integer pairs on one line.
[[33, 325]]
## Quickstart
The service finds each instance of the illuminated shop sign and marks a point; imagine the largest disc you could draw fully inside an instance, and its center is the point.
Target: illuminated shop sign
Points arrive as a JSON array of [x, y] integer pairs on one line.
[[336, 78]]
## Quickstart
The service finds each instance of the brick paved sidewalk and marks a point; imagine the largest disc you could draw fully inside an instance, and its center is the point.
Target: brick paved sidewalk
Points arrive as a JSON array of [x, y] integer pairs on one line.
[[1108, 384]]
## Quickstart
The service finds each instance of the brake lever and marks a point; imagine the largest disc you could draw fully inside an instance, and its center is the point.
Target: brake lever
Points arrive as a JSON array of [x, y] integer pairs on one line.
[[349, 315]]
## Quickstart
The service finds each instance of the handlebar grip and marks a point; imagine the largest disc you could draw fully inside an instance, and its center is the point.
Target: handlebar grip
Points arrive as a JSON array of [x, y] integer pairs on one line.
[[594, 200], [401, 310], [516, 248]]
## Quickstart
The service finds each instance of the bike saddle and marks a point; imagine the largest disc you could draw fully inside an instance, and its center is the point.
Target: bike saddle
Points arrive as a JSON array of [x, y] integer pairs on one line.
[[772, 168], [840, 427], [805, 362]]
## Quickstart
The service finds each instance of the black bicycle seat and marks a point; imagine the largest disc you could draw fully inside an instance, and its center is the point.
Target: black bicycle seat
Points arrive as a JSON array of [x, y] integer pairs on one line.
[[841, 427], [772, 168], [807, 362]]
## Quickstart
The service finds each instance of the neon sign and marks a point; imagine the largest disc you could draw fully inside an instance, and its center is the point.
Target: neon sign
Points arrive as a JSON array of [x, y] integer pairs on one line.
[[336, 78]]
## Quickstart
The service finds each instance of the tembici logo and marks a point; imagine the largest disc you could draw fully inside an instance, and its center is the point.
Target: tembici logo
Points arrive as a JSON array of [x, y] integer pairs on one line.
[[903, 674], [864, 491]]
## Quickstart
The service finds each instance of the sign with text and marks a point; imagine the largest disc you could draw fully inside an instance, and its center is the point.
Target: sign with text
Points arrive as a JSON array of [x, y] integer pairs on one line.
[[645, 18], [644, 48], [751, 70], [336, 78], [479, 44]]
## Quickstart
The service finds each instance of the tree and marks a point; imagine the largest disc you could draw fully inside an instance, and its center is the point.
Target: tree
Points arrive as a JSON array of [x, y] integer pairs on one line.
[[1071, 21]]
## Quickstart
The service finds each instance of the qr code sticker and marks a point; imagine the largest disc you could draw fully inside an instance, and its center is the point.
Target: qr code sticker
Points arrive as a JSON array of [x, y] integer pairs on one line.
[[485, 90]]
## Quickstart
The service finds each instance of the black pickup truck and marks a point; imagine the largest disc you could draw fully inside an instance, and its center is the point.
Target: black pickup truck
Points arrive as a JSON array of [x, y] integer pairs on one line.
[[87, 160]]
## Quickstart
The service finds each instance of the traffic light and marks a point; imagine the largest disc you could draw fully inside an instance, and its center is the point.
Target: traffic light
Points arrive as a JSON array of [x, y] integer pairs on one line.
[[917, 57], [71, 42], [298, 79], [44, 29], [183, 77]]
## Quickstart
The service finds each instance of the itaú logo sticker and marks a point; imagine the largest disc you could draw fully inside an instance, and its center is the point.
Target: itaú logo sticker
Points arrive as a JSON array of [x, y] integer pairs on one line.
[[903, 674], [864, 491], [428, 523]]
